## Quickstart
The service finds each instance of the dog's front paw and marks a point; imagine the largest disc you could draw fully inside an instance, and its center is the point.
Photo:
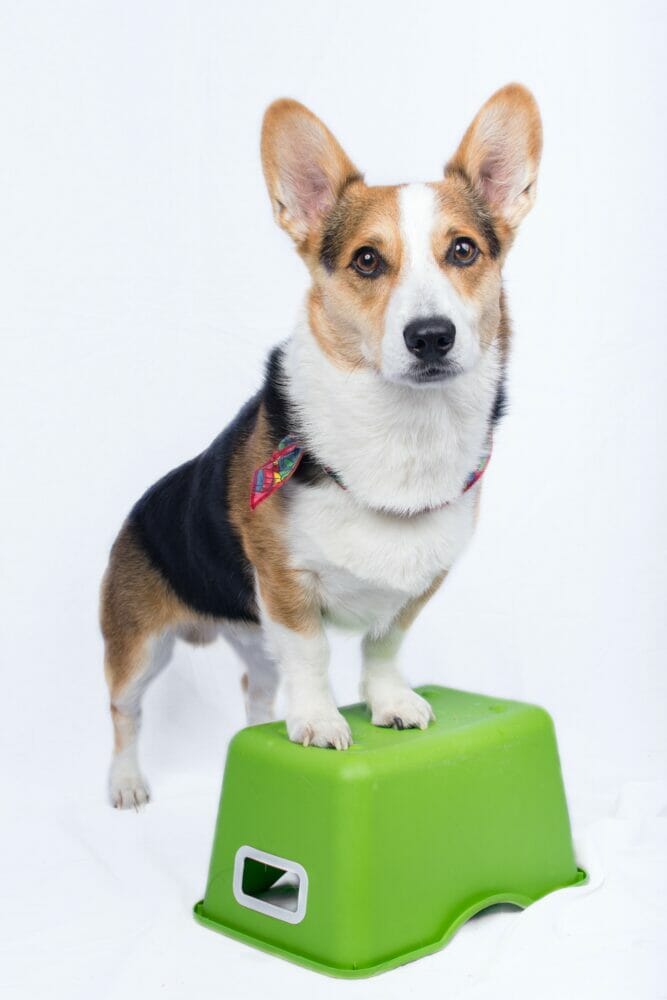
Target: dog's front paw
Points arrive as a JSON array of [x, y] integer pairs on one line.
[[320, 730], [401, 709]]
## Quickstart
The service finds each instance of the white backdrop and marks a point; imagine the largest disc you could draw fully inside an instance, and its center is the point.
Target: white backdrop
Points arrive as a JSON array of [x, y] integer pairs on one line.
[[142, 281]]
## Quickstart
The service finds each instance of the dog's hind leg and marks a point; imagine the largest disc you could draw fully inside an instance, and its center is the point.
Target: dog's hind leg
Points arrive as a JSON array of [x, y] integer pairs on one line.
[[139, 616], [260, 681], [128, 679]]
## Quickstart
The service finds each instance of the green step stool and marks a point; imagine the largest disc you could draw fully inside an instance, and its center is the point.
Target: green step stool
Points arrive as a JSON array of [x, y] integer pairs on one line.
[[354, 862]]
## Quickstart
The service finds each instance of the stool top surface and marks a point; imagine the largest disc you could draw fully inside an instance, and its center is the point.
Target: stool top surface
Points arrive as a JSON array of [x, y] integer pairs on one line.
[[463, 722]]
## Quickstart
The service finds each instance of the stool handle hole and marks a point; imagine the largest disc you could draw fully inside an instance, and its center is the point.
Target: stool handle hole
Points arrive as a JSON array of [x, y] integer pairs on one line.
[[269, 884]]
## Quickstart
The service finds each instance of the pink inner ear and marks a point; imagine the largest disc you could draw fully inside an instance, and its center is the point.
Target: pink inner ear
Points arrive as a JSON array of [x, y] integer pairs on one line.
[[310, 193], [498, 176], [317, 194]]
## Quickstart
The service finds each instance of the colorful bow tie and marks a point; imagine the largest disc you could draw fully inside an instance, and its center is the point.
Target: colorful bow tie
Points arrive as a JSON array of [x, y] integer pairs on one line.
[[285, 461]]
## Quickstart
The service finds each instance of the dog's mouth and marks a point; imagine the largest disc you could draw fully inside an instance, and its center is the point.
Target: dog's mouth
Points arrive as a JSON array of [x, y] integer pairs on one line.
[[427, 374]]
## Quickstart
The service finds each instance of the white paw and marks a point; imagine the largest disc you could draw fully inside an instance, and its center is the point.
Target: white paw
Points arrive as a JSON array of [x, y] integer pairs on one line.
[[127, 789], [401, 709], [320, 730]]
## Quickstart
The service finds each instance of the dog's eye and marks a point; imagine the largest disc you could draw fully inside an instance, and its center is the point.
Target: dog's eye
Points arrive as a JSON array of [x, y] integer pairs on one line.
[[463, 251], [367, 262]]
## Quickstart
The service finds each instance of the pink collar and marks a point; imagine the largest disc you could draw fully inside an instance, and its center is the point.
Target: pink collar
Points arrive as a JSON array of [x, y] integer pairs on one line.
[[285, 460]]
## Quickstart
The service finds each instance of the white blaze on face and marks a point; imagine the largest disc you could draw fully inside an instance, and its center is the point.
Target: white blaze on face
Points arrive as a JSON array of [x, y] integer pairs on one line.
[[423, 289]]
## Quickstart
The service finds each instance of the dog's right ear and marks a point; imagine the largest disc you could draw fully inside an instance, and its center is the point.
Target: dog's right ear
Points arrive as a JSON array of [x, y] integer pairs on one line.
[[500, 152], [304, 166]]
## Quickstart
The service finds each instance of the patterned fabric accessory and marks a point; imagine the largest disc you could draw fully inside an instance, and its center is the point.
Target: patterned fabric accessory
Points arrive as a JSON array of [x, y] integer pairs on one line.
[[285, 460], [276, 471], [477, 473]]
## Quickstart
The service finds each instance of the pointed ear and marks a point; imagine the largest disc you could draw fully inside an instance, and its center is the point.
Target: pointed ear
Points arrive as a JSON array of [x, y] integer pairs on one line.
[[304, 166], [500, 152]]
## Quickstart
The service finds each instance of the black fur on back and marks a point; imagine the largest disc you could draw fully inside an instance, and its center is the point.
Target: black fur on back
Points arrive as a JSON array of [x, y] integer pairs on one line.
[[183, 524]]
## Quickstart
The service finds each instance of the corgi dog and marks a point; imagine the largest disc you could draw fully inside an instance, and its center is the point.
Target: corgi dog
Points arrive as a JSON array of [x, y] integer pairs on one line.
[[344, 491]]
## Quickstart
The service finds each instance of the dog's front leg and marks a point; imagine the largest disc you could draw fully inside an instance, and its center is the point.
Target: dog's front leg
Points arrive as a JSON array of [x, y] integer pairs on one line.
[[303, 658], [391, 700]]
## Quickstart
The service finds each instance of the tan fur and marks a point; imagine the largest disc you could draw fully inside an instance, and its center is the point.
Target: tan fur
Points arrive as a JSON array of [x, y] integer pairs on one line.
[[480, 283], [341, 346], [262, 532], [347, 312], [413, 607], [124, 729], [136, 603]]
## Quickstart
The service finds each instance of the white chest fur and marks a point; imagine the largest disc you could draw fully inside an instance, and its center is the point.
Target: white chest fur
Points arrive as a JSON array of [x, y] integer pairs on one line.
[[368, 565], [395, 447]]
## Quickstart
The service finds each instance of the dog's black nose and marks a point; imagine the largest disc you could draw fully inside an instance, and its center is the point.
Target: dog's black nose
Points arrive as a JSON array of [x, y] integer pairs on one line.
[[430, 339]]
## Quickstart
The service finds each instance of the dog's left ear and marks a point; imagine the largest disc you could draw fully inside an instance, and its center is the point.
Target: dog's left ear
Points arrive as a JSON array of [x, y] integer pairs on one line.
[[304, 166], [500, 152]]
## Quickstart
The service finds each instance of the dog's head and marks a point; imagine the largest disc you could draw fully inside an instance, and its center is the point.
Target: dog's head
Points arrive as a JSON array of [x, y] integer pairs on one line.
[[406, 279]]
